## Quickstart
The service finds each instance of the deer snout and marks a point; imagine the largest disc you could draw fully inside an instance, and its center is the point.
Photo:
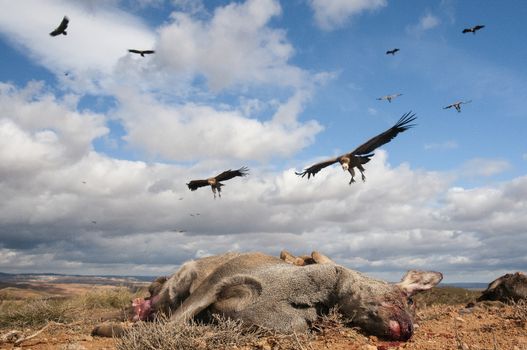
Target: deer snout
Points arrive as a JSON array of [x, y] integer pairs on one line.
[[400, 330]]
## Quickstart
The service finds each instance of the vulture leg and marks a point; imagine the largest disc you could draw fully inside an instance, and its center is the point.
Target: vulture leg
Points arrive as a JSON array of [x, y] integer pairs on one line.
[[219, 191], [213, 191], [362, 170], [352, 172]]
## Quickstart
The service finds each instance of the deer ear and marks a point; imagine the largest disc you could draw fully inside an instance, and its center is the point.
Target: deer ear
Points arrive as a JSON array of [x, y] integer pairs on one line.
[[417, 281], [236, 293], [321, 259]]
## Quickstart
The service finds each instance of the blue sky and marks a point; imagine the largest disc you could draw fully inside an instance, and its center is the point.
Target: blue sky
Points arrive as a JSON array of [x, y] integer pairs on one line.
[[274, 85]]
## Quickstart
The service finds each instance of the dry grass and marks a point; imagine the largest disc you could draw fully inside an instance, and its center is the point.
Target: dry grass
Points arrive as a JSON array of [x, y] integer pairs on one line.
[[34, 313], [520, 311], [112, 298], [38, 312], [446, 296], [163, 335]]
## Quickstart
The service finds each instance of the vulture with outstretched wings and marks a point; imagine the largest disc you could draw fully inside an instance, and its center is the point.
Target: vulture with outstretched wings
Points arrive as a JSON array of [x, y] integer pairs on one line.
[[61, 29], [362, 154], [141, 52], [392, 52], [457, 105], [389, 98], [474, 29], [215, 182]]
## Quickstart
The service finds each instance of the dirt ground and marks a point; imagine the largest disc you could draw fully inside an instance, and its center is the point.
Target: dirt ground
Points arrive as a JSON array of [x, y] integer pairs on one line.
[[487, 326]]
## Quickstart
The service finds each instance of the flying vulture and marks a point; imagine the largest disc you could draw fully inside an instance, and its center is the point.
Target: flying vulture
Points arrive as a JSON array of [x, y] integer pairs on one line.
[[392, 52], [473, 29], [141, 52], [215, 182], [389, 97], [61, 29], [362, 154], [457, 105]]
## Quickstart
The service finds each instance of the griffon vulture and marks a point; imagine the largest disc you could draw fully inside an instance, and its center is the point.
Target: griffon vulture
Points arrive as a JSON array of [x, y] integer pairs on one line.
[[362, 154], [473, 30], [392, 52], [141, 52], [215, 182], [61, 29], [457, 105], [389, 98]]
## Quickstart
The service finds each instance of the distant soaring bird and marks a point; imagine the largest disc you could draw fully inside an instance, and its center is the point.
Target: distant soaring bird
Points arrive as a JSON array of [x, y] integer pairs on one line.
[[392, 52], [362, 154], [61, 29], [141, 52], [473, 30], [389, 97], [215, 182], [457, 105]]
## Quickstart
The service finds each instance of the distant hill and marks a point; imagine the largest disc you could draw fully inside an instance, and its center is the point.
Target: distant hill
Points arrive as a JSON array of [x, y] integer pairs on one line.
[[8, 278]]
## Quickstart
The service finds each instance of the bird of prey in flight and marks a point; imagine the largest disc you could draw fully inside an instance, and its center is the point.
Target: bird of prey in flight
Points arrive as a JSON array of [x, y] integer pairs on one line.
[[392, 52], [473, 30], [362, 154], [389, 98], [61, 29], [457, 105], [141, 52], [215, 182]]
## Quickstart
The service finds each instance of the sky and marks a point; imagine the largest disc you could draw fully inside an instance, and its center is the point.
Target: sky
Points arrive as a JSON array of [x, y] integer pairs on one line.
[[97, 144]]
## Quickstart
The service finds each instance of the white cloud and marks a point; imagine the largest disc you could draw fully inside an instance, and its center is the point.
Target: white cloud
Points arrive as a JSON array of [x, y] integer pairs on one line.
[[193, 131], [446, 145], [236, 46], [485, 167], [332, 14], [426, 22]]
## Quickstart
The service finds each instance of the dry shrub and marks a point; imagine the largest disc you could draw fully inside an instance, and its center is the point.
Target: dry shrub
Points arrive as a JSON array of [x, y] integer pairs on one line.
[[445, 295], [519, 311], [164, 335], [114, 298], [34, 313]]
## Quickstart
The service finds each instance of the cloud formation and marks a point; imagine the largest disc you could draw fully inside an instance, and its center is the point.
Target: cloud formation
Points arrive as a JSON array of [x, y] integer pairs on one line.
[[332, 14]]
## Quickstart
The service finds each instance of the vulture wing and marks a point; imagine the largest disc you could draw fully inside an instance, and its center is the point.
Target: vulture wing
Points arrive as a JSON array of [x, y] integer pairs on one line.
[[466, 30], [134, 51], [61, 28], [148, 51], [195, 184], [315, 168], [478, 27], [402, 125], [449, 106], [229, 174]]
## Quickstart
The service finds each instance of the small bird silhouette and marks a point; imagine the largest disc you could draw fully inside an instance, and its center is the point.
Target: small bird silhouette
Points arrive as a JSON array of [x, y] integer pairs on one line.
[[141, 52], [473, 30], [61, 29], [392, 52]]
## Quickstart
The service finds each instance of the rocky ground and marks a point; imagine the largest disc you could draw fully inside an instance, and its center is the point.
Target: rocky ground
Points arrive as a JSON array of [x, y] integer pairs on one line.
[[443, 323]]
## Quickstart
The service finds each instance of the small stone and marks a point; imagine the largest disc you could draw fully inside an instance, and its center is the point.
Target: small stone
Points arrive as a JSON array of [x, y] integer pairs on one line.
[[460, 319], [368, 347], [11, 336]]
